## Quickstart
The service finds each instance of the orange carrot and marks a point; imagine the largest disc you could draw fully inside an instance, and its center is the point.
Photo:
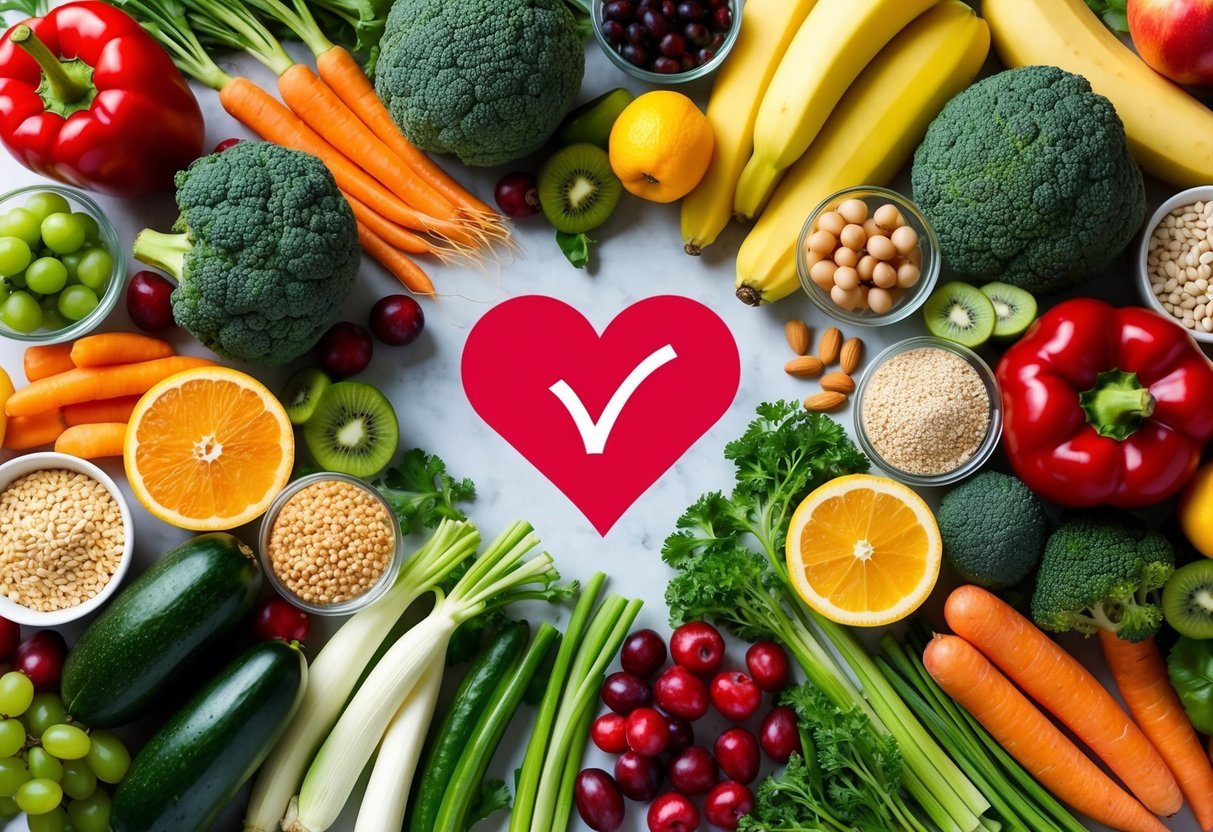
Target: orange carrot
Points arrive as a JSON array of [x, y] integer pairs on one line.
[[1141, 677], [101, 410], [33, 431], [1064, 687], [43, 361], [394, 235], [118, 348], [404, 269], [1028, 736], [86, 384], [92, 441]]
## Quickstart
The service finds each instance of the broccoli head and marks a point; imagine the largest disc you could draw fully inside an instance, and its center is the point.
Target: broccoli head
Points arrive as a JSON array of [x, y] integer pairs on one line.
[[1103, 571], [488, 82], [993, 530], [265, 254], [1027, 178]]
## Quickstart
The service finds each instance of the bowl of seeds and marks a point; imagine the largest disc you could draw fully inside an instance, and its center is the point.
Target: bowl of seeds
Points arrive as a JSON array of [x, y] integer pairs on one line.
[[330, 544], [1175, 261], [66, 538], [928, 411]]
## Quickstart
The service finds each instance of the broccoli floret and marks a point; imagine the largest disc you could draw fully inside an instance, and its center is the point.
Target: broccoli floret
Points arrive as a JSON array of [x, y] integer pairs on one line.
[[993, 530], [488, 82], [1027, 178], [1103, 570], [266, 252]]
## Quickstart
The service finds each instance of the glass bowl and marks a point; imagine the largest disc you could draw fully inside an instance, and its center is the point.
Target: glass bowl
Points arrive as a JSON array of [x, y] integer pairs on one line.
[[385, 580], [928, 244], [113, 290], [657, 78], [993, 429]]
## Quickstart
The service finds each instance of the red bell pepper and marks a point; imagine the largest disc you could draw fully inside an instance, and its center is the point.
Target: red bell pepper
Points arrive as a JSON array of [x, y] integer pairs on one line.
[[1105, 406], [89, 98]]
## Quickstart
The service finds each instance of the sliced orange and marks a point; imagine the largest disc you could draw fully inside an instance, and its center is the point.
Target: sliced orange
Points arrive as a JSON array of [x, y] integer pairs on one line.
[[208, 449], [863, 550]]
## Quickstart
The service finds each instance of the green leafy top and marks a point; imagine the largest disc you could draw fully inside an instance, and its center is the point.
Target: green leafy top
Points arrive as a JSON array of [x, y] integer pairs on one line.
[[422, 493], [1113, 14]]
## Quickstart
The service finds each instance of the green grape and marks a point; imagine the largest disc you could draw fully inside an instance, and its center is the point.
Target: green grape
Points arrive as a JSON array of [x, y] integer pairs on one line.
[[62, 233], [12, 737], [21, 223], [16, 690], [108, 757], [39, 796], [17, 280], [44, 765], [13, 775], [46, 276], [76, 302], [92, 814], [92, 231], [8, 808], [43, 204], [52, 320], [67, 742], [71, 262], [78, 779], [14, 255], [46, 710], [22, 313], [54, 820], [95, 268]]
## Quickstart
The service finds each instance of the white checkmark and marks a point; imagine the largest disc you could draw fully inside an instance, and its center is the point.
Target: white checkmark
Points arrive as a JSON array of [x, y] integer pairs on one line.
[[594, 435]]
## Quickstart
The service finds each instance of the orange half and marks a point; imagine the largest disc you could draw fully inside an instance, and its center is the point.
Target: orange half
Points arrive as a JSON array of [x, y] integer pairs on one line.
[[863, 550], [208, 449]]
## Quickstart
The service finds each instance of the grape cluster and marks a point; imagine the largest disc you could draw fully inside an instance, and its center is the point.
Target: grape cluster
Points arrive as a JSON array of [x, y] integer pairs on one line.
[[51, 767]]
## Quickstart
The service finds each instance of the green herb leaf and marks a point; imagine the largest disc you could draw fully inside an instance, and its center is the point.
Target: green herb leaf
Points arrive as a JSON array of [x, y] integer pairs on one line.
[[576, 248], [1190, 666], [33, 8], [421, 493], [493, 796], [1113, 14]]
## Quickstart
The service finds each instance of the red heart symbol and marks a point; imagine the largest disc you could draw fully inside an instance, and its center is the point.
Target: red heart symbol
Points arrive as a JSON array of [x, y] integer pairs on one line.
[[601, 417]]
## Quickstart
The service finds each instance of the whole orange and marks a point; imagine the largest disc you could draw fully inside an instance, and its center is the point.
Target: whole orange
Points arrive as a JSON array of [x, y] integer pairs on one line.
[[661, 146]]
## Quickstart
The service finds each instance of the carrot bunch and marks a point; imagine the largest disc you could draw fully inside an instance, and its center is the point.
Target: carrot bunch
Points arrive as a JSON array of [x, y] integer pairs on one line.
[[403, 202], [81, 395]]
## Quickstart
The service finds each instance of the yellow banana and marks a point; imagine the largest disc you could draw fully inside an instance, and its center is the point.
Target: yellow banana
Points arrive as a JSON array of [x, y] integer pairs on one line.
[[1170, 132], [835, 42], [867, 138], [767, 27]]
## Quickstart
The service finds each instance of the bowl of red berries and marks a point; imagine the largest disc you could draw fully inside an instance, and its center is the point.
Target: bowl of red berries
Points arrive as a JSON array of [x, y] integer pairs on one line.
[[666, 41]]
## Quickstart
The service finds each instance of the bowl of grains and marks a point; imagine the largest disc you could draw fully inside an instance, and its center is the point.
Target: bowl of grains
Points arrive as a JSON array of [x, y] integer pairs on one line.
[[928, 411], [65, 538], [1175, 261], [330, 544]]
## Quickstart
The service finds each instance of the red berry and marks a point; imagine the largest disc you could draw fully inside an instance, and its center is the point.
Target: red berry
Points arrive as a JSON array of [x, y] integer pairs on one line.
[[682, 734], [778, 735], [620, 10], [673, 45], [680, 692], [397, 320], [643, 653], [672, 813], [279, 619], [614, 31], [647, 731], [607, 732], [737, 754], [345, 350], [726, 803], [624, 693], [518, 193], [697, 646], [692, 771], [721, 19], [148, 301], [655, 23], [225, 144], [598, 800], [667, 66], [768, 666], [40, 657], [735, 695], [10, 637], [638, 777]]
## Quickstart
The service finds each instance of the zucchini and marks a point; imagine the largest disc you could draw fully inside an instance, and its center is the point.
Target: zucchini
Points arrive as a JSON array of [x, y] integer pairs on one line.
[[192, 768], [192, 599]]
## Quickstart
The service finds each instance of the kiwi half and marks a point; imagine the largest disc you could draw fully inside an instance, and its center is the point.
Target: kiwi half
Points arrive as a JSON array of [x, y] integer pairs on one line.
[[353, 431], [961, 313], [1187, 600], [577, 188], [1014, 309], [302, 393]]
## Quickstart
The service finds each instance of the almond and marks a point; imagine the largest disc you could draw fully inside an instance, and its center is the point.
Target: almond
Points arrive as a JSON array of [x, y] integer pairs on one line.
[[851, 355], [838, 383], [825, 401], [799, 336], [831, 343], [804, 367]]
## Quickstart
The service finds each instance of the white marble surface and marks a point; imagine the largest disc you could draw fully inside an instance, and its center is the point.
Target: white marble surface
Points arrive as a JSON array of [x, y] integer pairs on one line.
[[639, 254]]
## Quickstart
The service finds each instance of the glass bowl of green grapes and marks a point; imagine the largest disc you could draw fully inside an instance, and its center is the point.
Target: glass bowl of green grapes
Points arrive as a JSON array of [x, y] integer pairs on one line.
[[62, 267]]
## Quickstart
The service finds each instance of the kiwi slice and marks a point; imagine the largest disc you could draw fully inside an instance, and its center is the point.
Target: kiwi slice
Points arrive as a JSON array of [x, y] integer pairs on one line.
[[961, 313], [1187, 600], [1014, 309], [353, 431], [302, 393], [577, 188]]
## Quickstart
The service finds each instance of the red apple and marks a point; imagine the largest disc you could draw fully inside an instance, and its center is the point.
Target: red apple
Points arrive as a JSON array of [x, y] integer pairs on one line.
[[1175, 37]]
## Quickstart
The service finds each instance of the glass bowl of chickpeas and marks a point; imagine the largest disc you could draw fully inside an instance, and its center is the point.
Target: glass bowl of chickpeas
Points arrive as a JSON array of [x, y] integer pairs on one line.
[[867, 256]]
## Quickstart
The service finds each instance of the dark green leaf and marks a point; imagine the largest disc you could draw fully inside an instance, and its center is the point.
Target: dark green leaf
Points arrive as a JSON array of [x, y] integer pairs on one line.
[[1190, 666], [576, 248]]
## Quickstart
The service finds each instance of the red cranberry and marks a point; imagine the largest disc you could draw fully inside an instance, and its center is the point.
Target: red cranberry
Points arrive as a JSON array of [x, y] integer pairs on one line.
[[697, 646], [647, 731], [721, 19], [673, 45], [682, 734], [726, 803], [667, 66], [704, 56], [598, 800], [737, 753], [619, 10], [697, 34], [614, 32], [40, 657], [638, 777], [735, 695], [279, 619], [624, 693], [672, 813], [345, 350], [608, 734], [517, 193], [397, 320], [635, 54], [148, 301], [643, 653], [226, 144], [10, 637], [778, 735], [768, 666], [635, 34], [653, 21], [692, 771], [681, 693], [669, 9]]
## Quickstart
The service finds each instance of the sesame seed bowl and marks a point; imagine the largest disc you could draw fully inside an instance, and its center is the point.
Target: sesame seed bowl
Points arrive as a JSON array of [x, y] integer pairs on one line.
[[330, 544], [1176, 285], [76, 529], [928, 411]]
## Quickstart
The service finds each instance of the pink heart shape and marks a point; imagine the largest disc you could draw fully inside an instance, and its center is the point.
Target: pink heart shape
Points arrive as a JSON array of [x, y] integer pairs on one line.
[[669, 363]]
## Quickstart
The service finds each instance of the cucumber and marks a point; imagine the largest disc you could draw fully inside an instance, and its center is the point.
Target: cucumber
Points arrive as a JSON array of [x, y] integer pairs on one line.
[[448, 742], [192, 768], [192, 599]]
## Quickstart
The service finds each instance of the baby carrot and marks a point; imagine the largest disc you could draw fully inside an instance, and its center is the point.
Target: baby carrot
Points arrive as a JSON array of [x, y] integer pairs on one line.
[[86, 384], [33, 431], [110, 348], [92, 441], [400, 266], [43, 361], [100, 410]]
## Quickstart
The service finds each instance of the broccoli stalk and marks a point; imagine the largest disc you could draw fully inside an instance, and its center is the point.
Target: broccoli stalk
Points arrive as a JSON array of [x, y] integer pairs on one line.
[[164, 251], [1103, 572]]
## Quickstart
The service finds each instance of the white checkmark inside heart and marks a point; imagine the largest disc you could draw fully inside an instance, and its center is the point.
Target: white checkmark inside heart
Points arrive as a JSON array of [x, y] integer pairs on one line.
[[594, 435]]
